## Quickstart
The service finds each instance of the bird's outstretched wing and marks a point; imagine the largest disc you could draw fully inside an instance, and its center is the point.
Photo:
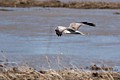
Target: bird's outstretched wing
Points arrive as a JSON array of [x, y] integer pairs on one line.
[[77, 25], [74, 26]]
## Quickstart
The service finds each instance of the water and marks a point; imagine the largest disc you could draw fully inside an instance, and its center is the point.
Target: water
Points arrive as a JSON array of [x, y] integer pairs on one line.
[[27, 33]]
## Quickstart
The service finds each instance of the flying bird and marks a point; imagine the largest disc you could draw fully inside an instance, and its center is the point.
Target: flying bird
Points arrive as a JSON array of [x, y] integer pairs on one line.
[[72, 29]]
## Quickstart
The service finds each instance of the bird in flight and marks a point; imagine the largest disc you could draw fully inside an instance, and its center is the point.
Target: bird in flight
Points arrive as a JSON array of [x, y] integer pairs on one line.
[[72, 29]]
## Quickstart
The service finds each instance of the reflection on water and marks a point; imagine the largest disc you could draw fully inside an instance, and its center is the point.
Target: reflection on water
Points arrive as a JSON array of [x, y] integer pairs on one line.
[[30, 31]]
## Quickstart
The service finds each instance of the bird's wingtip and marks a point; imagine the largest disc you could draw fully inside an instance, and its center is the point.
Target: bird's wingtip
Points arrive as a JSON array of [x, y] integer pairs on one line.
[[88, 23]]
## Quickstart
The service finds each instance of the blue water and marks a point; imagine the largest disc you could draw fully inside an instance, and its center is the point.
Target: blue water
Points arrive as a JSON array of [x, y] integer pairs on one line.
[[30, 31]]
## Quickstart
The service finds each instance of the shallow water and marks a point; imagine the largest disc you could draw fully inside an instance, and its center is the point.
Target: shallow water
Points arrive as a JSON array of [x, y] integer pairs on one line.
[[26, 32]]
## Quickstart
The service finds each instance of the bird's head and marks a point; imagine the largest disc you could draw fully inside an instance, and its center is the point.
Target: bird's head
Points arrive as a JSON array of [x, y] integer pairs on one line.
[[58, 32]]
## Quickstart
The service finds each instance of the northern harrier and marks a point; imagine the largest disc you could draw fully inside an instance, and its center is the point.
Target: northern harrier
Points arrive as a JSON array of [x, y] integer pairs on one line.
[[72, 29]]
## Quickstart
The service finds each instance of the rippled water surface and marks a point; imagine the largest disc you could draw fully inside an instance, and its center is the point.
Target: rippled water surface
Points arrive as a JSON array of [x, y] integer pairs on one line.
[[27, 33]]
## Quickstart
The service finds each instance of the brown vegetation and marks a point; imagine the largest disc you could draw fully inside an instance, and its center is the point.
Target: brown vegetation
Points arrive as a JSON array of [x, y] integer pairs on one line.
[[95, 67], [94, 5], [17, 3], [28, 73], [57, 3]]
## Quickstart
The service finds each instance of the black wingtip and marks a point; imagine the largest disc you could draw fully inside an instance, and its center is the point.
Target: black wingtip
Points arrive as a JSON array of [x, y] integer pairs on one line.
[[90, 24]]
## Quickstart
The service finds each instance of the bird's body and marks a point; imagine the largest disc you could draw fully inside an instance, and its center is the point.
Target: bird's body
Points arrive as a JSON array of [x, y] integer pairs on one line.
[[72, 29]]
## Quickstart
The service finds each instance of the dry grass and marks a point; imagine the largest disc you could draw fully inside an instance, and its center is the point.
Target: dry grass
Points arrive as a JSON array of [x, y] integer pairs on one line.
[[17, 3], [57, 3], [28, 73], [95, 5], [24, 72]]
